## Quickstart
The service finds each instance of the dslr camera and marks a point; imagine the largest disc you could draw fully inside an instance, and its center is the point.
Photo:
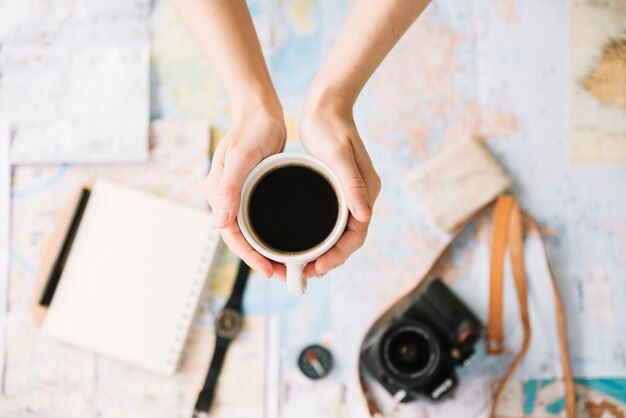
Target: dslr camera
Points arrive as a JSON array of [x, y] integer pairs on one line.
[[418, 347]]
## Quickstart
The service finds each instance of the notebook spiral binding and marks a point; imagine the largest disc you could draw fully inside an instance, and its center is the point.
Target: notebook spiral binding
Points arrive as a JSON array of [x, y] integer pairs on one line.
[[192, 303]]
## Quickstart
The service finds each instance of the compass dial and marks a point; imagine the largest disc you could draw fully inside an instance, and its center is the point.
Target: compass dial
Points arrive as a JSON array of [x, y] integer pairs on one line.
[[315, 362]]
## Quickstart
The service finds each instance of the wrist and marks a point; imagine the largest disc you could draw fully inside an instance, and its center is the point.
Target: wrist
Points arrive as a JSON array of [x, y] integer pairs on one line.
[[325, 97], [259, 119], [252, 102]]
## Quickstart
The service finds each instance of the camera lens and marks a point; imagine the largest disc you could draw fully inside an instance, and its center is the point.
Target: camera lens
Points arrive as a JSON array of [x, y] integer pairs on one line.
[[410, 350]]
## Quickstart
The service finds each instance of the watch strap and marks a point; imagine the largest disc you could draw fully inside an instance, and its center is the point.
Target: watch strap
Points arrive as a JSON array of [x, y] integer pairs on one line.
[[206, 395], [235, 300]]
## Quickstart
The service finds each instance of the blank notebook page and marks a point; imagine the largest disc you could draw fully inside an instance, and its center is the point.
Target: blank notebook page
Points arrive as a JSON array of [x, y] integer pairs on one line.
[[133, 278]]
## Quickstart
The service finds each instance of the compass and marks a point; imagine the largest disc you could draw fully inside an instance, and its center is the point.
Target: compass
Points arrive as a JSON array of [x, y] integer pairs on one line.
[[315, 361]]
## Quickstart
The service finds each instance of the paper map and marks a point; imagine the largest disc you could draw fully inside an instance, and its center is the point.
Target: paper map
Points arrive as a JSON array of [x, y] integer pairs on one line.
[[57, 380], [493, 69], [598, 81], [5, 236], [75, 80]]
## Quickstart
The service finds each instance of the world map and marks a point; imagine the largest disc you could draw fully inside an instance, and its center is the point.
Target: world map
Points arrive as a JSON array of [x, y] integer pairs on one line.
[[496, 70]]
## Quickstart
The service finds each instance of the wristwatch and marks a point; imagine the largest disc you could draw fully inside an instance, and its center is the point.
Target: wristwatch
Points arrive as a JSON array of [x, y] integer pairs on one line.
[[228, 324]]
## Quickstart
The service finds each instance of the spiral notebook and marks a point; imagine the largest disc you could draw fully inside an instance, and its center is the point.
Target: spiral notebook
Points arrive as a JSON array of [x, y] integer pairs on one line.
[[133, 277]]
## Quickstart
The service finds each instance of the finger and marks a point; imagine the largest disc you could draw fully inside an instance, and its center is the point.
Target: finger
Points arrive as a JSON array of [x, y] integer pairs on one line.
[[238, 162], [280, 270], [215, 173], [309, 270], [237, 243], [369, 174], [352, 183], [351, 240], [209, 187]]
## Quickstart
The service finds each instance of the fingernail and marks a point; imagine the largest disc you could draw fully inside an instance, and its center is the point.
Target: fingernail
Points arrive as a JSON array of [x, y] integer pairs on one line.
[[363, 211], [222, 217]]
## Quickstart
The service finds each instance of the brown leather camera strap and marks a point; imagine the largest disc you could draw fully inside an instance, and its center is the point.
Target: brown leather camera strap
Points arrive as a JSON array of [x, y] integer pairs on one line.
[[507, 217], [508, 232], [499, 238]]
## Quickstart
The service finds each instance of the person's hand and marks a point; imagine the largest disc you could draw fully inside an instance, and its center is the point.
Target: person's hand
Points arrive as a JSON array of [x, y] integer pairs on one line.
[[253, 137], [328, 132]]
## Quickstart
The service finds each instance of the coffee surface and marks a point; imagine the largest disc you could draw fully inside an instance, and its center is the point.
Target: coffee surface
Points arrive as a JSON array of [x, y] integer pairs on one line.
[[293, 209]]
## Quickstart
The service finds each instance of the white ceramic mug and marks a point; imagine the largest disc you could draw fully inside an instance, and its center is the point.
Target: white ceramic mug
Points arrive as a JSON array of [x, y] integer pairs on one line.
[[294, 262]]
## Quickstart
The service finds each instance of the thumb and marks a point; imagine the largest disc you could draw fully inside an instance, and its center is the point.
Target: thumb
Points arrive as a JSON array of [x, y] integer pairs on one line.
[[353, 187], [237, 164]]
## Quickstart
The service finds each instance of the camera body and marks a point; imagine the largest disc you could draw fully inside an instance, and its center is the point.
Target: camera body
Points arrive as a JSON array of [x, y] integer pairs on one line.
[[418, 348]]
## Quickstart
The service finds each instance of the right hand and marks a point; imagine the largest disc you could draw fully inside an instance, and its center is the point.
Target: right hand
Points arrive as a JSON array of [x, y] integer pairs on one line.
[[252, 138], [328, 132]]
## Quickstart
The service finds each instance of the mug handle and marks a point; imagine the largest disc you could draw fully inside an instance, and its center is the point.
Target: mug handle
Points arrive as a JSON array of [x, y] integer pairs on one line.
[[296, 283]]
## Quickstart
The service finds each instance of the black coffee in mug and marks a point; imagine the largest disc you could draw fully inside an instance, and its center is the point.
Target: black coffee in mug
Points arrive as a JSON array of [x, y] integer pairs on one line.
[[293, 208]]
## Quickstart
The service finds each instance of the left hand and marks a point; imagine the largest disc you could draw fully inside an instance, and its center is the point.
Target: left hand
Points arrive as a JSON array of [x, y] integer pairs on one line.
[[254, 136], [328, 132]]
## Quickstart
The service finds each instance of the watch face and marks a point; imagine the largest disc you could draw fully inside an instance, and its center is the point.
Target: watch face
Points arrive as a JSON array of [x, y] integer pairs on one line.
[[228, 323]]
